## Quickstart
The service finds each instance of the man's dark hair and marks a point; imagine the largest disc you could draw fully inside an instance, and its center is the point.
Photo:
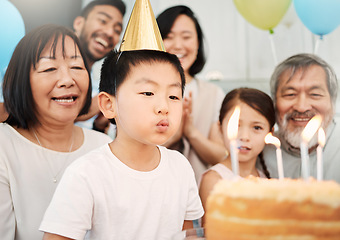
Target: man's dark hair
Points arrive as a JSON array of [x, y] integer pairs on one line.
[[120, 5]]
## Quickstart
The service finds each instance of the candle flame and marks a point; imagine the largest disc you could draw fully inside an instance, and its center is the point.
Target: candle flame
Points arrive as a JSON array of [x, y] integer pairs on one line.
[[321, 137], [233, 124], [311, 128], [270, 139]]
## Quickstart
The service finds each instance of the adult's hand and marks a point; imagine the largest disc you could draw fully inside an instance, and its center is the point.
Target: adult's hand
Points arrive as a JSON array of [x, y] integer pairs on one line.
[[101, 123], [94, 110], [210, 149]]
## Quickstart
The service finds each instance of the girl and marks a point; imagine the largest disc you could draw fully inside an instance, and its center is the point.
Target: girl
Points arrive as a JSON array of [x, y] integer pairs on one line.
[[257, 118]]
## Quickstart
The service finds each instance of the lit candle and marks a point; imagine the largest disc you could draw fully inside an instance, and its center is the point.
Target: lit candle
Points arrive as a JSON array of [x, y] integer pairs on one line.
[[232, 132], [270, 139], [306, 135], [321, 141]]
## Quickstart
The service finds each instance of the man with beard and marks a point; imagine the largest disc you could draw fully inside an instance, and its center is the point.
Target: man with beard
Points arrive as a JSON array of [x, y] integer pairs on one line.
[[99, 28], [303, 86]]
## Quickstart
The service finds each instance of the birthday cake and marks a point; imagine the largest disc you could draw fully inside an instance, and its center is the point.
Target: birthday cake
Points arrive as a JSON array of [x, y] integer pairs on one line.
[[272, 209]]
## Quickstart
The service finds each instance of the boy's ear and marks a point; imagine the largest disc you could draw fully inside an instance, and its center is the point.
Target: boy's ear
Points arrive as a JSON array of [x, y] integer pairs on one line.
[[78, 24], [106, 104]]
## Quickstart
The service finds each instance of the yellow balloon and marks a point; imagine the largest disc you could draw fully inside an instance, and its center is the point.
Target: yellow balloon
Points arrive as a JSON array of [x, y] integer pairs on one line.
[[264, 14]]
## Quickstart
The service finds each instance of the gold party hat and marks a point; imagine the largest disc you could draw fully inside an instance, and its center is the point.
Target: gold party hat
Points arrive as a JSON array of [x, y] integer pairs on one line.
[[142, 30]]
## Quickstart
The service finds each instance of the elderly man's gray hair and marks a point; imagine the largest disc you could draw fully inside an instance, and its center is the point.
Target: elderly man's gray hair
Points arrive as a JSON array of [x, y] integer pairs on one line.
[[302, 62]]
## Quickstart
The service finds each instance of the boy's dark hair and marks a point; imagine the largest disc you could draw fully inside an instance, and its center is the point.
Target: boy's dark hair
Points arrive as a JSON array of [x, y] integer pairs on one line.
[[257, 100], [120, 5], [165, 22], [117, 66], [17, 92]]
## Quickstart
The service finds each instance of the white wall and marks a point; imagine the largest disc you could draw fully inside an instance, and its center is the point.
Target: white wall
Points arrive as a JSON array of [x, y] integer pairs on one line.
[[241, 52]]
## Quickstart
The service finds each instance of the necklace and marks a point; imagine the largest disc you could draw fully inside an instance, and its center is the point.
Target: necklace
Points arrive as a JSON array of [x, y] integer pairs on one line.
[[54, 176]]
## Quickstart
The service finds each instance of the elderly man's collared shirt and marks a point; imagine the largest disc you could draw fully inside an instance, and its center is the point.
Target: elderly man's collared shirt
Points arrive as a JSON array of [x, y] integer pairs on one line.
[[292, 158]]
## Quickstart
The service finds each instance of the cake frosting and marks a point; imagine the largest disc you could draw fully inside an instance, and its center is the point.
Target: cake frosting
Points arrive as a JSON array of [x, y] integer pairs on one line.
[[275, 209]]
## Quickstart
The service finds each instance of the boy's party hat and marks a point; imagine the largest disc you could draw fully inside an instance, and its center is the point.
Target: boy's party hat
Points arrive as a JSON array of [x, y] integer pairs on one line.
[[142, 30]]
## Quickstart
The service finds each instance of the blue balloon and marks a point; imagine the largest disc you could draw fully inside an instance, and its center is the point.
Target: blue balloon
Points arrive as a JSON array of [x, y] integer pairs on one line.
[[12, 29], [319, 16]]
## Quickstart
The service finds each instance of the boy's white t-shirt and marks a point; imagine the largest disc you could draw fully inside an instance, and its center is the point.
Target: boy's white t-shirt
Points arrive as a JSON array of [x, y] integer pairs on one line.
[[99, 197]]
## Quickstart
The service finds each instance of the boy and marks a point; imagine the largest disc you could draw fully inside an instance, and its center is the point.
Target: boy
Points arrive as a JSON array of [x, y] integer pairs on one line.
[[132, 188]]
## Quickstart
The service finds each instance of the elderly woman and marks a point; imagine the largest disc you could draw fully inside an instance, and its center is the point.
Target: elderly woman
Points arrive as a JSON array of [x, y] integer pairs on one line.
[[46, 87]]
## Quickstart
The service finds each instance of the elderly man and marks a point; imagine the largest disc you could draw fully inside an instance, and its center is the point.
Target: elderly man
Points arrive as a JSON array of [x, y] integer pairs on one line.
[[303, 86]]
